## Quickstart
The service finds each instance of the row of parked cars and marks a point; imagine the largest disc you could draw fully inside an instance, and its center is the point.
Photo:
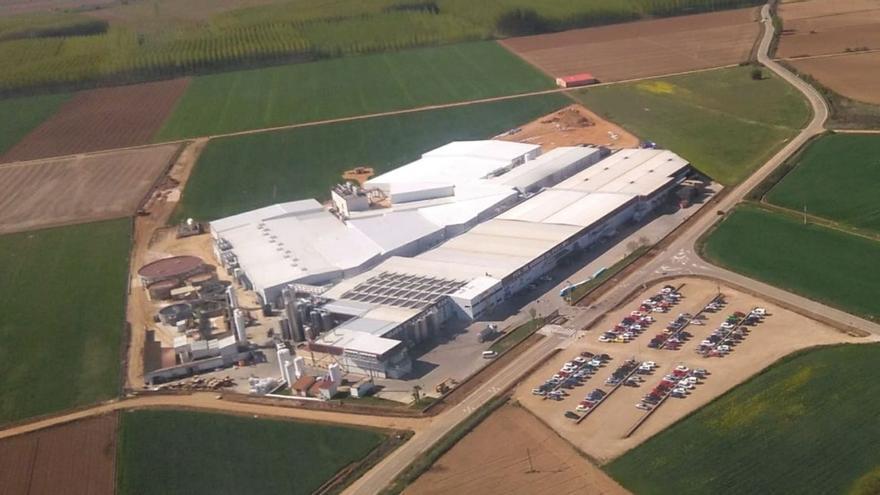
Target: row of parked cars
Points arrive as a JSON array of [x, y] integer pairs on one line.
[[675, 334], [633, 325], [678, 384], [734, 329], [572, 374]]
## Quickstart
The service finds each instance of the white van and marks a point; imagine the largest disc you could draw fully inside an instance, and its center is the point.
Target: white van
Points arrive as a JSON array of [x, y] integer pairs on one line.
[[489, 354]]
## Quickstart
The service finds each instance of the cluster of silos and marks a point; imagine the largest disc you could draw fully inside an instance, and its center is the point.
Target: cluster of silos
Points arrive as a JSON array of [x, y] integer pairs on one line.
[[422, 328], [303, 317], [291, 367]]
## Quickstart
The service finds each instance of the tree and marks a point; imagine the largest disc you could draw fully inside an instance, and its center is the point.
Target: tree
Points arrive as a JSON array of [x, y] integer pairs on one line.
[[417, 394], [757, 74]]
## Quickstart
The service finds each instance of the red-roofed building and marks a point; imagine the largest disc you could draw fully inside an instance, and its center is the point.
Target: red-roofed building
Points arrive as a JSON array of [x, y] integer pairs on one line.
[[582, 79]]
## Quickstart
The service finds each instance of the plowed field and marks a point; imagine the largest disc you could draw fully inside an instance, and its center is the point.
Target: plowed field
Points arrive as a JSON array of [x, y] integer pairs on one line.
[[645, 48], [101, 119], [79, 189], [77, 458], [511, 452], [819, 27], [854, 75]]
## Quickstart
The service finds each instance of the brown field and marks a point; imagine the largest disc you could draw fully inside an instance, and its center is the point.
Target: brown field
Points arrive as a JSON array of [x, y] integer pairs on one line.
[[101, 119], [820, 27], [645, 48], [853, 75], [572, 126], [14, 7], [601, 435], [80, 189], [76, 458], [494, 458]]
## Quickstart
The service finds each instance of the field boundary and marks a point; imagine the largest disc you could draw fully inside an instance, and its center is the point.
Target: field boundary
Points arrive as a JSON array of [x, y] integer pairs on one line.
[[844, 113]]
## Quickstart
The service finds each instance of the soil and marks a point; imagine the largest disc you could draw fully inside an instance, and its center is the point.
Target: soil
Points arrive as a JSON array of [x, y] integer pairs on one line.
[[645, 48], [854, 76], [101, 119], [601, 435], [512, 452], [147, 229], [819, 27], [79, 189], [75, 458], [572, 126]]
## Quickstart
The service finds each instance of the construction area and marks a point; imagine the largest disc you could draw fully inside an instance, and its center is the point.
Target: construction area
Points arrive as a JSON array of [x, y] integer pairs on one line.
[[650, 48], [572, 126], [707, 348]]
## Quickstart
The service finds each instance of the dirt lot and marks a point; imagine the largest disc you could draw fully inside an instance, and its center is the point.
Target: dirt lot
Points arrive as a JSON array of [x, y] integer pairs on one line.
[[76, 458], [101, 119], [645, 48], [819, 27], [81, 189], [854, 75], [494, 458], [601, 434], [571, 126]]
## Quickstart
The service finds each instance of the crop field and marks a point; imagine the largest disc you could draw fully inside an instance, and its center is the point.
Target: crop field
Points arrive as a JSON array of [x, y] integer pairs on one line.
[[77, 458], [650, 48], [128, 44], [821, 27], [349, 86], [806, 425], [826, 265], [101, 119], [836, 178], [245, 172], [476, 464], [723, 121], [166, 452], [852, 75], [61, 316], [78, 189], [21, 115]]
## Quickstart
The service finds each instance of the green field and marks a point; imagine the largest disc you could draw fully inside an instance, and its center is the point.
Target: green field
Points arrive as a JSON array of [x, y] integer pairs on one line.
[[246, 172], [836, 177], [62, 316], [18, 116], [181, 452], [166, 38], [826, 265], [349, 86], [724, 122], [807, 425]]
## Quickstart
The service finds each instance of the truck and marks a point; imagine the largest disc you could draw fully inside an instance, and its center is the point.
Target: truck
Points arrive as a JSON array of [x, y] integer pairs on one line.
[[487, 334]]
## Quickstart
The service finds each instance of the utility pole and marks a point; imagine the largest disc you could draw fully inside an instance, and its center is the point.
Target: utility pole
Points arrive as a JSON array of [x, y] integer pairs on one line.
[[805, 213]]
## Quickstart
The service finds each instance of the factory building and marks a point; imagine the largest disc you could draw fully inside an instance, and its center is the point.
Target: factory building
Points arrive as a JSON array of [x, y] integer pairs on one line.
[[397, 287]]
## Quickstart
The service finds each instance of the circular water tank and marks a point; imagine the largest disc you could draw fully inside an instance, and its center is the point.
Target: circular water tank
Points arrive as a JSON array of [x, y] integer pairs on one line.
[[176, 267]]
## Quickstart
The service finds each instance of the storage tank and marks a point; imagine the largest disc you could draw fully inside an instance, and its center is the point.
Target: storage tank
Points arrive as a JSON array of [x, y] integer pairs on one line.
[[335, 373], [315, 318], [284, 323], [240, 326], [290, 372], [297, 333], [230, 295], [182, 325], [326, 320], [299, 366], [283, 356]]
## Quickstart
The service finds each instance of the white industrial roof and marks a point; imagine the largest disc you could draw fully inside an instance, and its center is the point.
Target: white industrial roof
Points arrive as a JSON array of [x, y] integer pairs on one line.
[[476, 287], [569, 207], [489, 149], [358, 341], [395, 229], [631, 171], [553, 162]]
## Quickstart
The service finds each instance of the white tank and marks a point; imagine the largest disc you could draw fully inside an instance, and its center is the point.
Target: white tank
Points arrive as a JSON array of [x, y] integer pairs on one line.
[[335, 373], [240, 326], [283, 357], [182, 325], [299, 366], [290, 372], [233, 299]]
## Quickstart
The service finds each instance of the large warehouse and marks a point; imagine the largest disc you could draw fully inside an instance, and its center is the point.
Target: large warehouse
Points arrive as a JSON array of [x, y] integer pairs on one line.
[[382, 301]]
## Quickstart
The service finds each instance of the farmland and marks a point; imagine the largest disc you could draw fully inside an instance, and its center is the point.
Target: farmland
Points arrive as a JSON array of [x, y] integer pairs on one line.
[[21, 115], [349, 86], [822, 27], [262, 456], [835, 178], [650, 48], [724, 122], [245, 172], [78, 189], [476, 465], [100, 119], [806, 425], [78, 456], [61, 317], [852, 75], [134, 46], [795, 257]]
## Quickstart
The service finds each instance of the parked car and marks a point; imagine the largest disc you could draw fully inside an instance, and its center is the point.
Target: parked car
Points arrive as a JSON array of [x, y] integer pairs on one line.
[[571, 415]]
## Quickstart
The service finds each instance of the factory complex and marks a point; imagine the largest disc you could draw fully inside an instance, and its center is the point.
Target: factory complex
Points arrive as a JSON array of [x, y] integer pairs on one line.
[[448, 236]]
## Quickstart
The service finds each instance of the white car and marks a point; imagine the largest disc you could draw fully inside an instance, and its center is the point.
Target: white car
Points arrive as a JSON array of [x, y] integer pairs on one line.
[[603, 338], [759, 311], [580, 360], [727, 326], [649, 364], [685, 384], [723, 348], [595, 362], [643, 406], [679, 392], [682, 367]]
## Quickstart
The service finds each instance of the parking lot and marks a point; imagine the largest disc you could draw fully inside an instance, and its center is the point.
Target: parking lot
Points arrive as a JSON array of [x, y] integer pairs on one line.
[[683, 376]]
